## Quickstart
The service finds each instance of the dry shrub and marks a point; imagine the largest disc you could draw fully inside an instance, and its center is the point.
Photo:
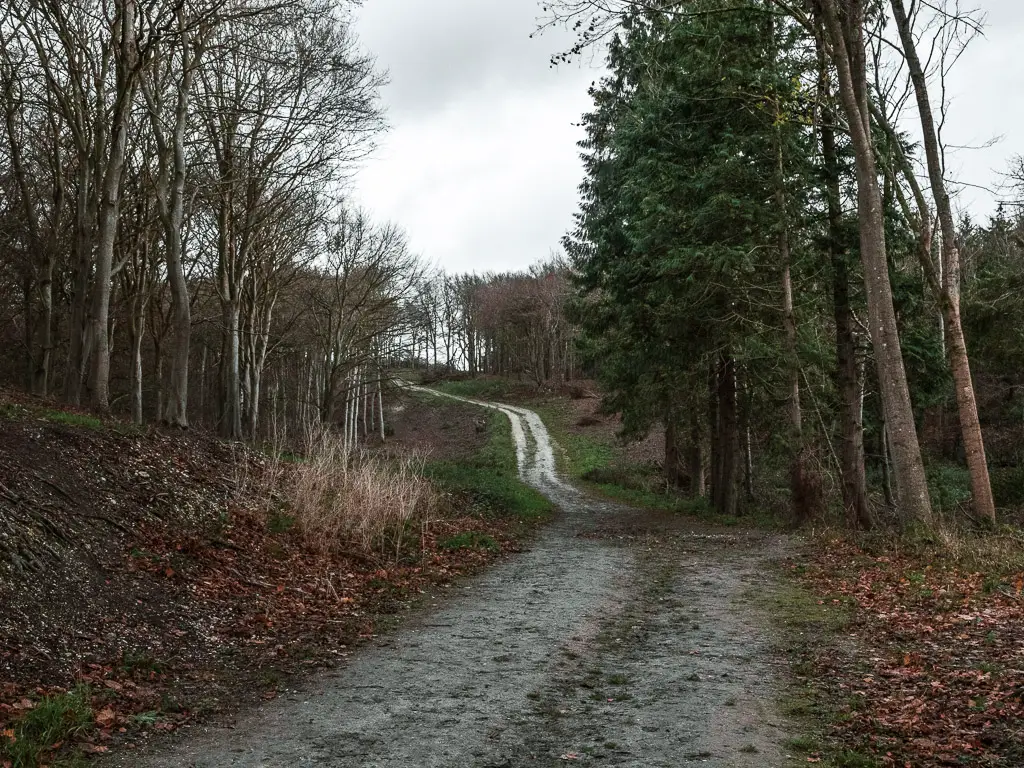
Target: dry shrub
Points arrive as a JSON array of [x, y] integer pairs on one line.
[[342, 499], [997, 552], [952, 542]]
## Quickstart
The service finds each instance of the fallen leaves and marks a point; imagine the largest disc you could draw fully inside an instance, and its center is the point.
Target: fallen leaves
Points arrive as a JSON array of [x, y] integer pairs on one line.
[[189, 591], [105, 718], [936, 674]]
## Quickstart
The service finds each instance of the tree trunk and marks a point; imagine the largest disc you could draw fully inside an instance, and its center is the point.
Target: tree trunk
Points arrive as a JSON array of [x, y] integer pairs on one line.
[[970, 424], [726, 495], [802, 494], [110, 199], [673, 463], [181, 330], [136, 377], [77, 358], [202, 385], [231, 386], [41, 379], [158, 353], [714, 434], [848, 382], [887, 479], [362, 404], [695, 457], [848, 55]]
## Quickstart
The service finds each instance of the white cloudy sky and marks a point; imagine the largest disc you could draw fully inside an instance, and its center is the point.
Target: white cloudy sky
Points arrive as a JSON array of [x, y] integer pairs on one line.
[[480, 165]]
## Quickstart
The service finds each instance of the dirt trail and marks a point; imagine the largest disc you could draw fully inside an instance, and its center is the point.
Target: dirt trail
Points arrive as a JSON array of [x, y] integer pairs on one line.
[[621, 638]]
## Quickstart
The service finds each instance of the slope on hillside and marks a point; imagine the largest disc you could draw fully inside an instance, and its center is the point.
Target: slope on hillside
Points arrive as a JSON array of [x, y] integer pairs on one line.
[[149, 567]]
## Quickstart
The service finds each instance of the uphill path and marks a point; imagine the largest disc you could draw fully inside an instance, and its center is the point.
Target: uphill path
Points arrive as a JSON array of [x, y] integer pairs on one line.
[[620, 638]]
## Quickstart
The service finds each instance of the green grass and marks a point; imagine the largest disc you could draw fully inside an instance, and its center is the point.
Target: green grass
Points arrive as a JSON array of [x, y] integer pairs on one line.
[[479, 388], [55, 718], [579, 454], [88, 421], [73, 419], [490, 479], [808, 627]]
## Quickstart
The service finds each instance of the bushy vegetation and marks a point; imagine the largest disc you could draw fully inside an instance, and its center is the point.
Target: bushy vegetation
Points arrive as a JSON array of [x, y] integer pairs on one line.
[[340, 498]]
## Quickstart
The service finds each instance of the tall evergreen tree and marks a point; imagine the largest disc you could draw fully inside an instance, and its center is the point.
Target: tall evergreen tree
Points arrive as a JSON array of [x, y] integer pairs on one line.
[[687, 204]]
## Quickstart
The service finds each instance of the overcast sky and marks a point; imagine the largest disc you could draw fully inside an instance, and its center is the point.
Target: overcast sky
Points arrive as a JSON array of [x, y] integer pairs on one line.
[[480, 165], [986, 89]]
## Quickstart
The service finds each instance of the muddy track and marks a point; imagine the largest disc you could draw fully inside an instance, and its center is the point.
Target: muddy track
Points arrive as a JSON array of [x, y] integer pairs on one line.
[[620, 638]]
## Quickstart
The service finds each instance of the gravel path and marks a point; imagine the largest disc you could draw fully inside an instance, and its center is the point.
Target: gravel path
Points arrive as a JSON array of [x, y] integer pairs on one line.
[[620, 638]]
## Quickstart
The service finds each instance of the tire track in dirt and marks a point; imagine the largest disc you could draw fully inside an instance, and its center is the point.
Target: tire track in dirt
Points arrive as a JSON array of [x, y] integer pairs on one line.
[[620, 638]]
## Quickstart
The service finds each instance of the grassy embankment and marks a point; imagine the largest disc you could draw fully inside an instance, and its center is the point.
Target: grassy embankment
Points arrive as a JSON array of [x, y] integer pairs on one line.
[[595, 462], [592, 459], [488, 481], [259, 531]]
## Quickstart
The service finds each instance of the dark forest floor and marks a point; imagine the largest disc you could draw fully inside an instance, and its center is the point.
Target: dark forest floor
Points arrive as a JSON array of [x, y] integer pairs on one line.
[[144, 584]]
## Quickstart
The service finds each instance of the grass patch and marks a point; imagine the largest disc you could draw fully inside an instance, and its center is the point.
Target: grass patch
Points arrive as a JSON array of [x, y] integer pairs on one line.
[[801, 614], [482, 388], [55, 719], [809, 626], [73, 419], [579, 454], [279, 522], [490, 479], [87, 421]]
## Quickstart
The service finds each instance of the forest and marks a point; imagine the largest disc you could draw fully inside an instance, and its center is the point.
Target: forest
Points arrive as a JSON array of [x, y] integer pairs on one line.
[[735, 467], [771, 265], [178, 245], [767, 236]]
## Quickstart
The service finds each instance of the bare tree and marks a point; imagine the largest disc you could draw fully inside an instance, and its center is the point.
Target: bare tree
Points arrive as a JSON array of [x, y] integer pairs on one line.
[[843, 24], [947, 285], [288, 103], [167, 82]]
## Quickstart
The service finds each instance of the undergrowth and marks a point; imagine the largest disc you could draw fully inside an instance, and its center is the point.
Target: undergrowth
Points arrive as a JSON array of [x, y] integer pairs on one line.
[[341, 499], [53, 722]]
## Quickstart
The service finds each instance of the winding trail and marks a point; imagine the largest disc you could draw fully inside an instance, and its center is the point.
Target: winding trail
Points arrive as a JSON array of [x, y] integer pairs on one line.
[[621, 638]]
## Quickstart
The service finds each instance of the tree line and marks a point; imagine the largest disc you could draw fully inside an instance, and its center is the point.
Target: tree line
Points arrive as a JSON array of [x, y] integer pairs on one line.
[[513, 324], [768, 266], [175, 238]]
